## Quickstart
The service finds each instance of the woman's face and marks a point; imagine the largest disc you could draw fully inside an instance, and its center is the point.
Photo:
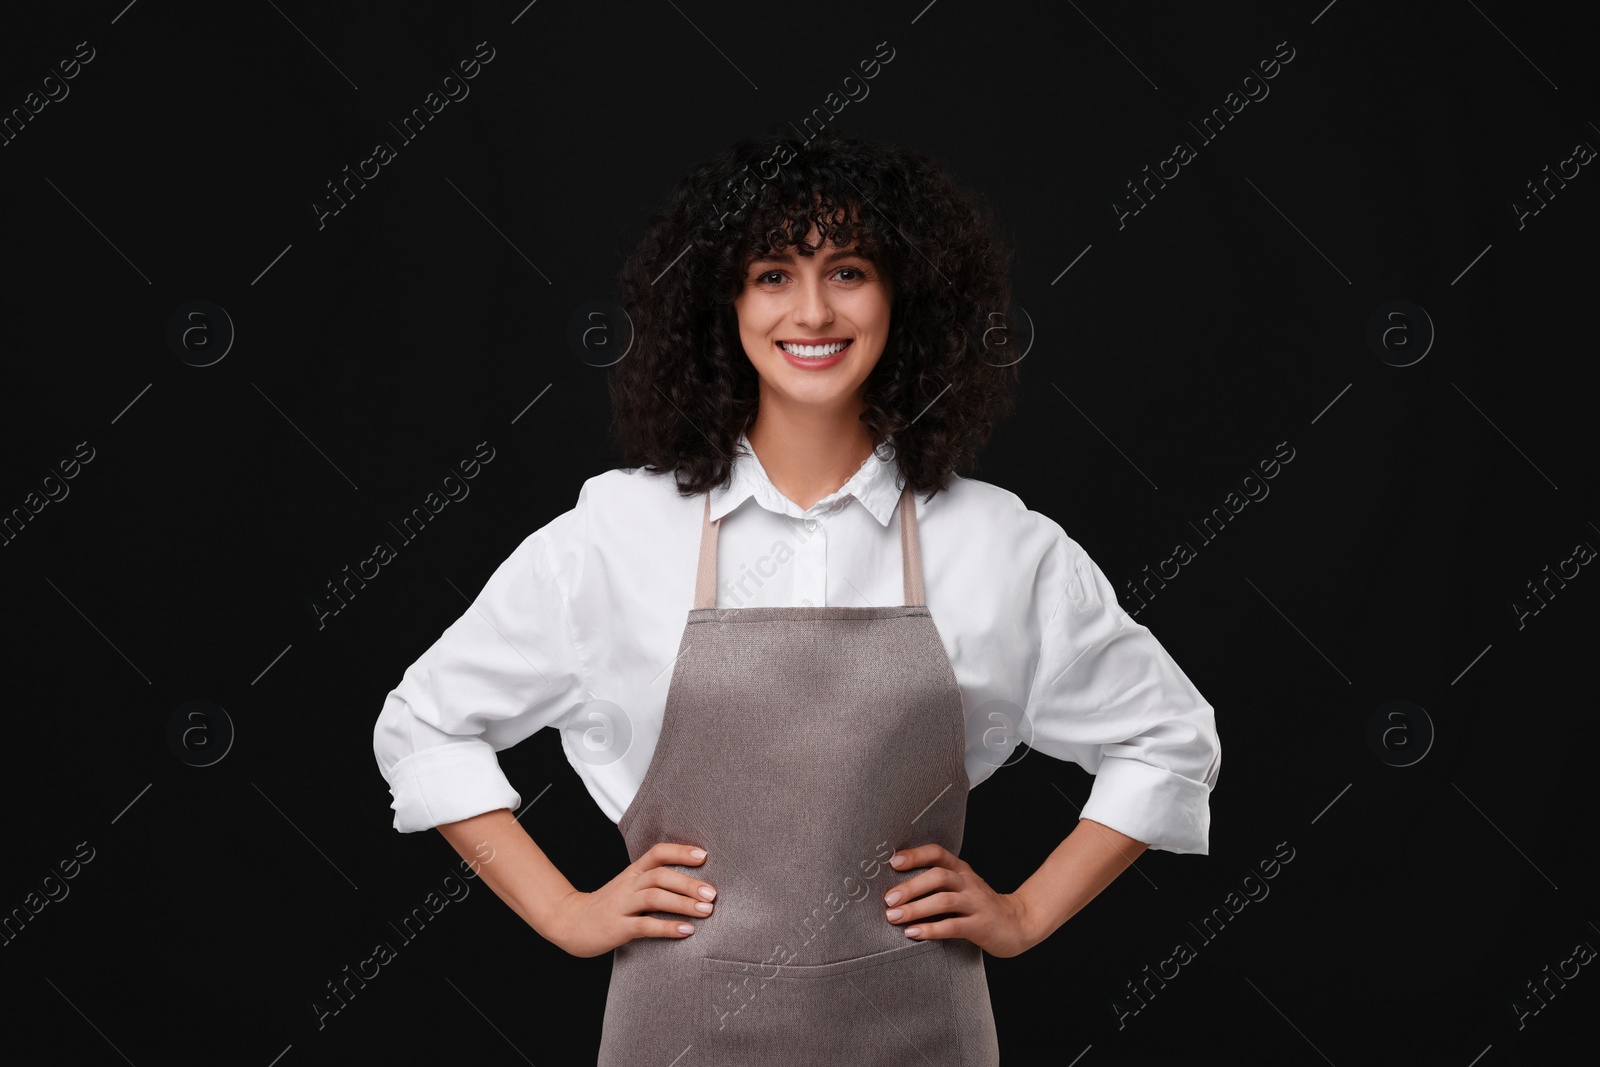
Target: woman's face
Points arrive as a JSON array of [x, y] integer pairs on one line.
[[835, 301]]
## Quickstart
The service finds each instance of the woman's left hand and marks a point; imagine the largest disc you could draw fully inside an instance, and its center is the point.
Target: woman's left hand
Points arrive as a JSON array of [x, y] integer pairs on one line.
[[998, 923]]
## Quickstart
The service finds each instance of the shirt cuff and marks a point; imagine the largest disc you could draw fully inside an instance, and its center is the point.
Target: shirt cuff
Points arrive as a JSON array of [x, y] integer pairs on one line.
[[1165, 810], [448, 783]]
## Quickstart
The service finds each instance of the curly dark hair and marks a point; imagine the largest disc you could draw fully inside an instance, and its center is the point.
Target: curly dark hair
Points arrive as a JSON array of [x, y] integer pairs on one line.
[[686, 390]]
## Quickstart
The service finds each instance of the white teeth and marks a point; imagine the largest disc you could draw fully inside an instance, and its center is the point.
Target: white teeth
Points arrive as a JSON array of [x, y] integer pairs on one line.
[[812, 351]]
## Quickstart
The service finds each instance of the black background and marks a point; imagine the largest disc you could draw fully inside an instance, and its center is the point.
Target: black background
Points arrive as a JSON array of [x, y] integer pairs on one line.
[[1227, 316]]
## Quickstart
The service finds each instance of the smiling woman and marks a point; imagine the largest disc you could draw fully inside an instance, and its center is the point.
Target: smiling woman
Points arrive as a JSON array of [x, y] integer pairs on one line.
[[807, 382]]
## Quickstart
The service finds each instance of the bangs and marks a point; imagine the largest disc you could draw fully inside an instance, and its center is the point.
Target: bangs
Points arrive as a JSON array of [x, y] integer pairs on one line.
[[784, 212]]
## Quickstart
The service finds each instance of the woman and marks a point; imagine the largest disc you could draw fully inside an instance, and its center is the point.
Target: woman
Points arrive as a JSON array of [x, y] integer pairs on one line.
[[785, 727]]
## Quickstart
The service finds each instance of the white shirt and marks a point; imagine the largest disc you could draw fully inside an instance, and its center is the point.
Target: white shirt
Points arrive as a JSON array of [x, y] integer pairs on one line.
[[579, 628]]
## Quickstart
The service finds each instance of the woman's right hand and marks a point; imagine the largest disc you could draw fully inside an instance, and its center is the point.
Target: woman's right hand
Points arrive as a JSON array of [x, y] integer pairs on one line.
[[591, 924]]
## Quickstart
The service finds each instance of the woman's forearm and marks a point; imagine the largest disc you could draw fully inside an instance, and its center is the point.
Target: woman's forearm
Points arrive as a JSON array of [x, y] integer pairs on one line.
[[516, 868], [584, 923], [1088, 860]]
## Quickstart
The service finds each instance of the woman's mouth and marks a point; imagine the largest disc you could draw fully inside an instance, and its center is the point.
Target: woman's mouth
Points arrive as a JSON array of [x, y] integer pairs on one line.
[[813, 356]]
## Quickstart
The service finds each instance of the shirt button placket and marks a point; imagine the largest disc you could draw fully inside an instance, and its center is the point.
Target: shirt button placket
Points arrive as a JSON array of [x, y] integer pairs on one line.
[[811, 565]]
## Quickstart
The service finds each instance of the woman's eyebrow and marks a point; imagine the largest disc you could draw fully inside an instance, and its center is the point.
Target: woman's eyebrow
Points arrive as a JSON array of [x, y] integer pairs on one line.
[[788, 257]]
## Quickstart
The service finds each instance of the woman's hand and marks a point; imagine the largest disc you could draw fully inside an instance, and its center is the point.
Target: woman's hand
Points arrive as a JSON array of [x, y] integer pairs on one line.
[[591, 924], [998, 923]]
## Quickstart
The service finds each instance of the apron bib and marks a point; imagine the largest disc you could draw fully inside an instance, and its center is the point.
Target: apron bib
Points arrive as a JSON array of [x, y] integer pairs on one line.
[[801, 747]]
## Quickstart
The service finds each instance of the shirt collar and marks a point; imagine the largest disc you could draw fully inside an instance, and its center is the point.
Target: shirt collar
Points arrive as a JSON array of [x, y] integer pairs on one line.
[[872, 485]]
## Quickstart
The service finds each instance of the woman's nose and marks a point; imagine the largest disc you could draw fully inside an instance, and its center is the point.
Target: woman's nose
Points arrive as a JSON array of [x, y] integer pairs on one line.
[[812, 304]]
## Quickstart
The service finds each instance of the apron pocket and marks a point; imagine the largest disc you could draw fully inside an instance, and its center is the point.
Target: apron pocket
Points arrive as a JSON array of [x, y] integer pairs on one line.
[[883, 1010]]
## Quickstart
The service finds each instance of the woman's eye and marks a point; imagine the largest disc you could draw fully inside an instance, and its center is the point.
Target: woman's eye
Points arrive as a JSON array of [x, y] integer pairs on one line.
[[848, 274]]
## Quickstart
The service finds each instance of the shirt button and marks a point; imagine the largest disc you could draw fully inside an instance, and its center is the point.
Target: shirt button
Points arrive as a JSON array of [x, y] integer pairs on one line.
[[811, 524], [805, 603]]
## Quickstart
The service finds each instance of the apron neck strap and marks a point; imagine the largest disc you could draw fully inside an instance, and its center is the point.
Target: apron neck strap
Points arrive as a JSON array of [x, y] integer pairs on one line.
[[705, 581]]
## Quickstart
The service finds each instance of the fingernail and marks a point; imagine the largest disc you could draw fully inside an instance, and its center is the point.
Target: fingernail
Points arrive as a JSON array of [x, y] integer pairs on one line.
[[707, 892], [895, 913], [897, 861], [685, 928], [697, 853], [703, 908], [913, 931]]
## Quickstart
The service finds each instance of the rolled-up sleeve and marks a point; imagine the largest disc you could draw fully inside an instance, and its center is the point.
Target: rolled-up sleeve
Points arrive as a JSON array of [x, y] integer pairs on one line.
[[1108, 697], [504, 669]]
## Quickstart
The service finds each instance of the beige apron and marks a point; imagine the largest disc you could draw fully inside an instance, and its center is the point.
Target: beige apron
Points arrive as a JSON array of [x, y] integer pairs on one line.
[[800, 747]]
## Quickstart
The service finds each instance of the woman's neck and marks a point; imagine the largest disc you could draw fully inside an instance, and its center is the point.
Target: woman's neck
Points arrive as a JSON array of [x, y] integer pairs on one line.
[[809, 456]]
